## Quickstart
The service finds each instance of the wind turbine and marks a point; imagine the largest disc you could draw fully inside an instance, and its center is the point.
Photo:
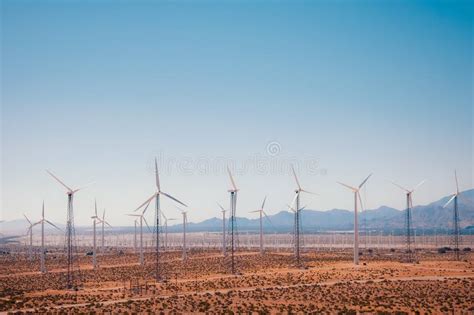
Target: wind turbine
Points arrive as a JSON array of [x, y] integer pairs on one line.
[[408, 217], [456, 217], [261, 213], [95, 219], [135, 236], [42, 221], [70, 233], [29, 232], [296, 200], [223, 230], [356, 191], [166, 230], [156, 195], [102, 248], [142, 218], [233, 207], [185, 222]]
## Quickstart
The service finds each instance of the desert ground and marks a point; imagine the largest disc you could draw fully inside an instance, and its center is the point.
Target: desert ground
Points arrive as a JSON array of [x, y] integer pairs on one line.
[[327, 282]]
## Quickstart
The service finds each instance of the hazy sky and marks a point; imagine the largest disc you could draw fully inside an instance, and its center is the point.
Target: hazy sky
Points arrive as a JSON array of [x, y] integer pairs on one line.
[[94, 90]]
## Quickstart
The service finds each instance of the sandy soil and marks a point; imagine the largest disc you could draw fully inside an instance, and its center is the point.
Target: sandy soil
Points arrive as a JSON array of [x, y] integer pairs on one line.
[[271, 283]]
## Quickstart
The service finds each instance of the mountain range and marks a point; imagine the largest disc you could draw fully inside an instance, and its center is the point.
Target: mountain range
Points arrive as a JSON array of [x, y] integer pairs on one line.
[[431, 216]]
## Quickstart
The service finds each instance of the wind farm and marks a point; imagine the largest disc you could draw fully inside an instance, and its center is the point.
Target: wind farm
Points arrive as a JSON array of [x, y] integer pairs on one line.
[[247, 157], [233, 265]]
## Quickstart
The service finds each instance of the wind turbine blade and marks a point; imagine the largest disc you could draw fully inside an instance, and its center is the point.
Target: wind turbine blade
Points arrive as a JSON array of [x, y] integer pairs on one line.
[[147, 201], [294, 200], [350, 187], [173, 198], [222, 208], [290, 207], [163, 215], [27, 219], [146, 207], [255, 211], [457, 186], [263, 203], [296, 178], [134, 215], [42, 211], [419, 184], [360, 200], [108, 224], [103, 215], [157, 176], [50, 223], [146, 223], [81, 188], [401, 187], [68, 188], [95, 201], [365, 180], [270, 221], [449, 201], [231, 179], [309, 192]]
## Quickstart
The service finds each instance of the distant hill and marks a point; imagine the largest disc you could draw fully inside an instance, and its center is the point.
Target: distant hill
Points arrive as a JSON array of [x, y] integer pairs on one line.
[[428, 216]]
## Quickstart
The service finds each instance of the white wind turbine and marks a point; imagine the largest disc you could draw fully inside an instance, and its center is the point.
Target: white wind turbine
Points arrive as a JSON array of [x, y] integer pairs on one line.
[[156, 195], [356, 192], [135, 236], [95, 220], [142, 219], [185, 223], [102, 247], [166, 229], [223, 230], [297, 211], [261, 213], [408, 217], [69, 231], [455, 217], [29, 232], [42, 221], [233, 208]]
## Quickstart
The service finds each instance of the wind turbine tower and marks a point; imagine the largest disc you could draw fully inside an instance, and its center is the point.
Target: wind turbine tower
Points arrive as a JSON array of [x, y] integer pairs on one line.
[[356, 191], [261, 214], [233, 206], [456, 237], [142, 219], [224, 253], [408, 220], [71, 280], [156, 195], [29, 232], [42, 256], [297, 210]]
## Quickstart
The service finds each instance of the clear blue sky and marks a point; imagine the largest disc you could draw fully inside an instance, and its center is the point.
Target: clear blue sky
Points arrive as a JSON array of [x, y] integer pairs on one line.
[[93, 90]]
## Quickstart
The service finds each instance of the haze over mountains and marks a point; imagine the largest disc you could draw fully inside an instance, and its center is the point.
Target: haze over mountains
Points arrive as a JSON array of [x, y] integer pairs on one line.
[[428, 216]]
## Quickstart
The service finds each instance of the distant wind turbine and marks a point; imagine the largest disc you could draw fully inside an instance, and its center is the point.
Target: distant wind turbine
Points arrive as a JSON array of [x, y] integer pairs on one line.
[[102, 247], [261, 213], [296, 201], [70, 282], [142, 219], [233, 207], [95, 220], [356, 191], [223, 230], [408, 218], [455, 217], [29, 232], [42, 221], [156, 195]]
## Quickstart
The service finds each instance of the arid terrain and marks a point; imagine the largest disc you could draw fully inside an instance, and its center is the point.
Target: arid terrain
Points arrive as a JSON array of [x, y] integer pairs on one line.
[[269, 283]]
